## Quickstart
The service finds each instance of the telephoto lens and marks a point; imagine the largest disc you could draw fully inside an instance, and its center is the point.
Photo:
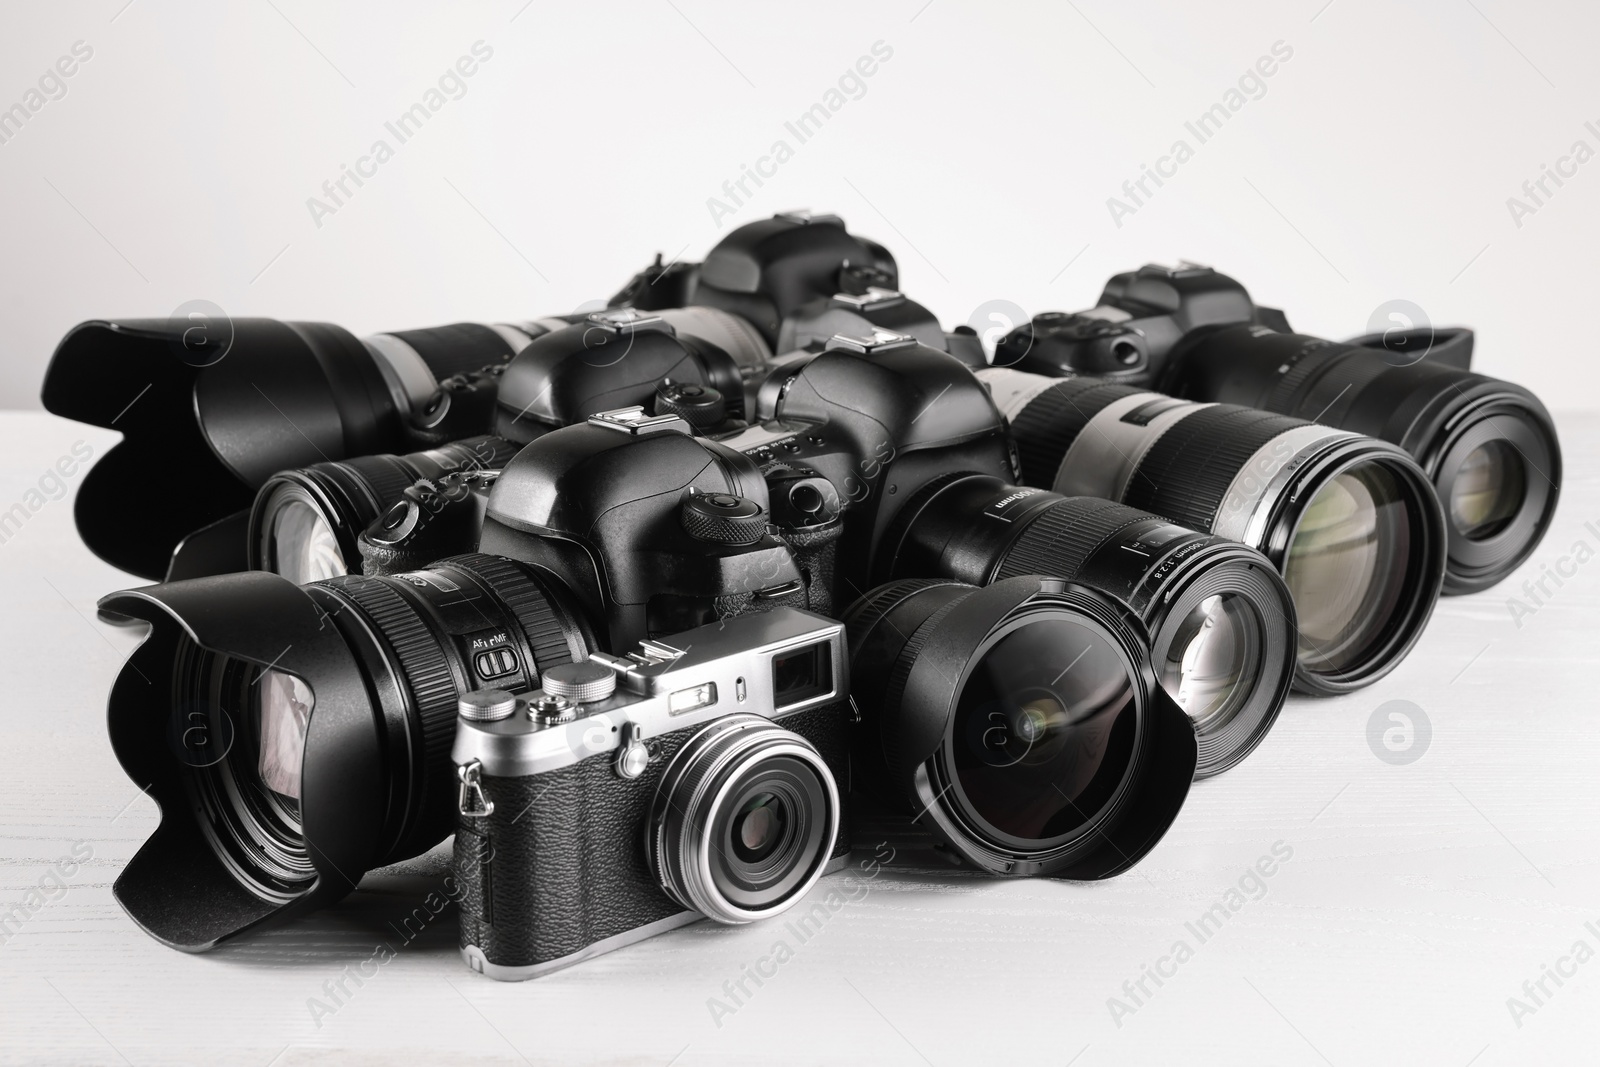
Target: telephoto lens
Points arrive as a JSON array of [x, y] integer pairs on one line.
[[1021, 724], [297, 737], [1351, 522], [219, 405], [1489, 447], [1221, 620], [306, 523]]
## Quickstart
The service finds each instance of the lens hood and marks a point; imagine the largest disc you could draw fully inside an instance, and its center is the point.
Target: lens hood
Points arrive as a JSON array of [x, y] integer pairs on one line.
[[178, 888], [213, 415], [910, 665]]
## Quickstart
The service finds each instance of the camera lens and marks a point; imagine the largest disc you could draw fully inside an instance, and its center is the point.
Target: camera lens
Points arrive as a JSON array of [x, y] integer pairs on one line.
[[306, 523], [1021, 722], [1489, 488], [274, 396], [758, 828], [1351, 522], [1221, 619], [298, 737], [1489, 447], [744, 820]]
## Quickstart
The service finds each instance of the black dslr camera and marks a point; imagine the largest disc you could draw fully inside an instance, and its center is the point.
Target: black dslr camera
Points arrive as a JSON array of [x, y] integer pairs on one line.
[[224, 404], [1489, 446], [700, 775], [799, 279], [657, 529]]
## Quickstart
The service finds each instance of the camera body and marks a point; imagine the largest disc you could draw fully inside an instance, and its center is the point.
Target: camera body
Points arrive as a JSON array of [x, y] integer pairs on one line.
[[764, 271], [623, 508], [1140, 317], [653, 529], [605, 807], [612, 359], [812, 325]]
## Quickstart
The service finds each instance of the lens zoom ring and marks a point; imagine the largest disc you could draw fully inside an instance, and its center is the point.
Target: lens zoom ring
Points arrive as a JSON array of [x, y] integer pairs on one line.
[[1311, 363], [1058, 541], [1186, 473], [1046, 428], [1328, 398], [523, 596]]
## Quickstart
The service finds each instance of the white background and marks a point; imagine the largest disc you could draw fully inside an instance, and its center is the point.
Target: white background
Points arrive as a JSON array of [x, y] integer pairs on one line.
[[1376, 166]]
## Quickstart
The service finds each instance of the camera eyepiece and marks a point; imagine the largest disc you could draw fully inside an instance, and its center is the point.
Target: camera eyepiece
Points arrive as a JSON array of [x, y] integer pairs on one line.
[[1351, 522], [1221, 620], [1022, 722], [298, 737]]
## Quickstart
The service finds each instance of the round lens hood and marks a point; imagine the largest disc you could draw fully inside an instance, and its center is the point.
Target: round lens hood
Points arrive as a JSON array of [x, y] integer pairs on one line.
[[978, 751]]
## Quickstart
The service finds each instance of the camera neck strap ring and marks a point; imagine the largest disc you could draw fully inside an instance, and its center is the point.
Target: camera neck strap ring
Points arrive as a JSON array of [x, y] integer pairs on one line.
[[472, 803]]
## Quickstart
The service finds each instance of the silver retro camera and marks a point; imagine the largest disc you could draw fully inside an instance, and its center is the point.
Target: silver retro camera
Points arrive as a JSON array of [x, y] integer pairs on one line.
[[700, 775]]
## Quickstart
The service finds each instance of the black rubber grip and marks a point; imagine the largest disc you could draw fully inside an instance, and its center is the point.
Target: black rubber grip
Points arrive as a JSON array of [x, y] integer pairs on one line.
[[1185, 475], [1046, 428], [1065, 535], [456, 349]]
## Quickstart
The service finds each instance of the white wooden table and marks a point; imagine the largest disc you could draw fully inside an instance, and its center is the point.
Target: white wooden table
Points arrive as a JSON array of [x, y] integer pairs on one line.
[[1417, 900]]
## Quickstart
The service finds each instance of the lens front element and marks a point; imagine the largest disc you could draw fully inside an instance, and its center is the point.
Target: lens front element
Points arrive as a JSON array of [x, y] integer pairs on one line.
[[1347, 566], [301, 546], [1488, 490], [1043, 729], [1213, 657], [283, 711]]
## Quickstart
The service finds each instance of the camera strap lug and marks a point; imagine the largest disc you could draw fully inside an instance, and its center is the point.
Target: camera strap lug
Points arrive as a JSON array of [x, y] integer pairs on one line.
[[472, 803], [633, 755]]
